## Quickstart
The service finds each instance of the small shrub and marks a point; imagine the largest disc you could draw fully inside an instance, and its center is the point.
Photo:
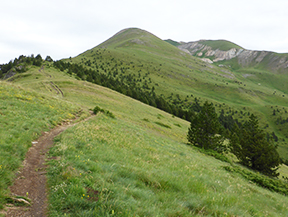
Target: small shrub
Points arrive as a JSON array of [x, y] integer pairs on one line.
[[97, 109], [106, 112], [109, 114]]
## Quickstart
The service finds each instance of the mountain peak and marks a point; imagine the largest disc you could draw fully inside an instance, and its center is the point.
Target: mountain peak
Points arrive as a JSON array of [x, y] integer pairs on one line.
[[128, 36]]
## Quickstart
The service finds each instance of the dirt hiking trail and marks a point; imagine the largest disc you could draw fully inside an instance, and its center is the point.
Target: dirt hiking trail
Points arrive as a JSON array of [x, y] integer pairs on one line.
[[31, 181]]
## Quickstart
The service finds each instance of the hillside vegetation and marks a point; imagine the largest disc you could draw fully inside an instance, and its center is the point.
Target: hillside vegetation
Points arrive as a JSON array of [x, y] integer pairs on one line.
[[132, 159], [138, 163], [144, 62]]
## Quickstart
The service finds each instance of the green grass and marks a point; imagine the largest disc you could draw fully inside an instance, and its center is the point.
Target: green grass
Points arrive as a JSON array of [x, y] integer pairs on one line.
[[24, 115], [131, 165], [111, 167], [138, 163]]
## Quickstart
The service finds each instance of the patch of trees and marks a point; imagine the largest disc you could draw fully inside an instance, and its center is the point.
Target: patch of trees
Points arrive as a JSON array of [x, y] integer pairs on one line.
[[227, 121], [21, 64], [204, 130], [251, 147], [247, 141], [281, 120]]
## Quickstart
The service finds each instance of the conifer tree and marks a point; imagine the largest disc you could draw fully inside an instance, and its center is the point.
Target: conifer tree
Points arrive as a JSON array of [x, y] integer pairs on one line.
[[253, 150], [204, 129]]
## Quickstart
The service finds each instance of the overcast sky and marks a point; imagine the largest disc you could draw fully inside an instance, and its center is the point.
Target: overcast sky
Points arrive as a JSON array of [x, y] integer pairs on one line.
[[64, 28]]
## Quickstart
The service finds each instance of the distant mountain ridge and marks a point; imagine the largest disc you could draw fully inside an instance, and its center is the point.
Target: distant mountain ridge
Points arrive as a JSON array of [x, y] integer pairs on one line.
[[224, 51]]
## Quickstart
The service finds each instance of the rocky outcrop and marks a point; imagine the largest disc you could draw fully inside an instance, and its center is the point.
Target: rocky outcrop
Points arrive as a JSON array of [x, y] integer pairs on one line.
[[245, 58], [9, 74]]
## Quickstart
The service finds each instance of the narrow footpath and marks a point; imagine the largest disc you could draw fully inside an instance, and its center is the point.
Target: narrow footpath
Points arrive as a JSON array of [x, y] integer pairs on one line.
[[31, 180]]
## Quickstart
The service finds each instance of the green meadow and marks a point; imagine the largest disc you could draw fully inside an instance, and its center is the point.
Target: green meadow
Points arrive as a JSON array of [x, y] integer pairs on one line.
[[112, 167], [115, 154]]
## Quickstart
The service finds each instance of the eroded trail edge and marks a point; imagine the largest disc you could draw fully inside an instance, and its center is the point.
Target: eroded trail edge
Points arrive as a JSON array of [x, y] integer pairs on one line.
[[31, 180]]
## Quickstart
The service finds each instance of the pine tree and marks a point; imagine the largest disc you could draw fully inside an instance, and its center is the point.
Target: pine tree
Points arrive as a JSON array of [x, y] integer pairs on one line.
[[204, 129], [253, 150]]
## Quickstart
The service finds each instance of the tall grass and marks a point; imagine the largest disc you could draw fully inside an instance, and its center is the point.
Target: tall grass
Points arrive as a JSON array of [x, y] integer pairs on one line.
[[109, 167], [24, 115]]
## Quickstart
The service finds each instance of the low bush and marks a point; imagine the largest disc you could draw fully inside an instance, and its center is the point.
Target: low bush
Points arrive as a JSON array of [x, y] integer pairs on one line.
[[272, 184], [97, 109], [106, 112]]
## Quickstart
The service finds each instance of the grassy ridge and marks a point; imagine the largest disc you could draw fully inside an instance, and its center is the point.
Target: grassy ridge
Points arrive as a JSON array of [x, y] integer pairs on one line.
[[24, 115]]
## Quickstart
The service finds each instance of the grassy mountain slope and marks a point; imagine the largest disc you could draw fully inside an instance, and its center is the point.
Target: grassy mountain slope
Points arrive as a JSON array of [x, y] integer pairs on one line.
[[137, 164], [139, 58]]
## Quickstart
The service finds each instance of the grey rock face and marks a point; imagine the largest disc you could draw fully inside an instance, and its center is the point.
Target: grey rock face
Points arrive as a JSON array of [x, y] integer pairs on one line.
[[245, 58]]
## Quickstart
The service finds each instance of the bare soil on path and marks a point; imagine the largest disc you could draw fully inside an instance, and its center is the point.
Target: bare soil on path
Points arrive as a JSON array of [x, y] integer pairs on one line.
[[31, 180]]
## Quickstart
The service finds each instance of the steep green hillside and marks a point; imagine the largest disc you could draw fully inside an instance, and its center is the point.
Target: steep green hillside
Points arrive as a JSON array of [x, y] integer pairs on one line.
[[138, 163], [141, 60], [112, 167]]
